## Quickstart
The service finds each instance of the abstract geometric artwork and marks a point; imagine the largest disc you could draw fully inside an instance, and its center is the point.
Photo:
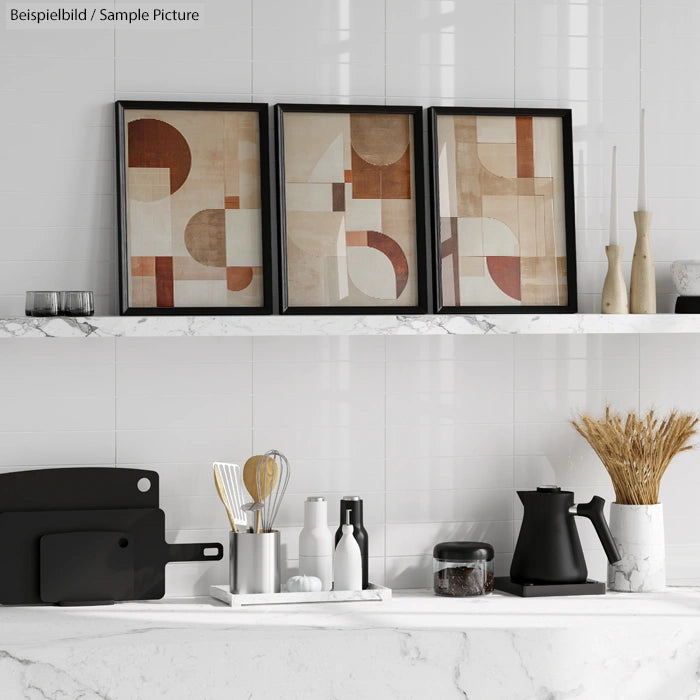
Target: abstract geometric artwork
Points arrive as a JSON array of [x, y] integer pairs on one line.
[[193, 224], [504, 221], [351, 209]]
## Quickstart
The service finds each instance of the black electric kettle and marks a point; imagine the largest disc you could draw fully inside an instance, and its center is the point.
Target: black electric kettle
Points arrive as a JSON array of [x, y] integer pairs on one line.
[[548, 550]]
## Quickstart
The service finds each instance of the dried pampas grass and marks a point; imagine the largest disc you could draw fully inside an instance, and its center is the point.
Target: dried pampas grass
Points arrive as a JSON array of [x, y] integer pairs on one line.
[[637, 451]]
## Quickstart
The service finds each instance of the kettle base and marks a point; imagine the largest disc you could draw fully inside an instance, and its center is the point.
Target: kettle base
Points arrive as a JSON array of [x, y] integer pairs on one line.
[[537, 590]]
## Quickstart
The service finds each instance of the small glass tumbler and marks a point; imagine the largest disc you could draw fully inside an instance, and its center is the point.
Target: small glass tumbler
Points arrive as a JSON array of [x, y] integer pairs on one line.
[[77, 304], [41, 304]]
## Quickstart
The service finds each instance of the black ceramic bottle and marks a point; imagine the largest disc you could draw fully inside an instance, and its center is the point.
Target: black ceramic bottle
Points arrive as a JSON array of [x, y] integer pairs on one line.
[[354, 505]]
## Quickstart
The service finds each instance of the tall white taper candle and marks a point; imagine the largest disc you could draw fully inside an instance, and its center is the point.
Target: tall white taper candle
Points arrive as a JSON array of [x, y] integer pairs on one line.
[[614, 237], [642, 192]]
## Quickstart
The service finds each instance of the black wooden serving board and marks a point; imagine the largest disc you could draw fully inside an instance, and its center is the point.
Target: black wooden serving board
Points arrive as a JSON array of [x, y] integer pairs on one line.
[[22, 552], [77, 488]]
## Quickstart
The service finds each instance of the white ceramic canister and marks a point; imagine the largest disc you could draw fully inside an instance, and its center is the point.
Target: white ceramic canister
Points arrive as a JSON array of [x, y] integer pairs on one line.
[[316, 543], [638, 532]]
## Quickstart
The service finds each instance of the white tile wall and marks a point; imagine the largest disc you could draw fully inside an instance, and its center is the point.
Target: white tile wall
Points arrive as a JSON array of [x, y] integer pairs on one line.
[[434, 433]]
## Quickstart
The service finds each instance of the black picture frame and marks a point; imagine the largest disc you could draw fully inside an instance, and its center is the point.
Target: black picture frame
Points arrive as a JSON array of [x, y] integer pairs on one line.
[[563, 116], [423, 267], [268, 257]]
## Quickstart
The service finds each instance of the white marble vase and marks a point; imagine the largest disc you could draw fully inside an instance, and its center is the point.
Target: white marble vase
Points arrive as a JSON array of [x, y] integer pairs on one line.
[[638, 532]]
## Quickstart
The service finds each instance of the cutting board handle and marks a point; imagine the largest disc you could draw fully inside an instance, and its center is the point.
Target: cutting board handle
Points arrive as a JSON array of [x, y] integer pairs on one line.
[[195, 552]]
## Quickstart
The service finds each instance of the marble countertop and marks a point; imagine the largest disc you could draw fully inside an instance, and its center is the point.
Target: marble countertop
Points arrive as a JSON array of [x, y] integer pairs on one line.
[[427, 324], [617, 646], [408, 610]]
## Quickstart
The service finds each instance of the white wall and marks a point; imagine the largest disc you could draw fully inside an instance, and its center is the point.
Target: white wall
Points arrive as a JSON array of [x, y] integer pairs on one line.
[[435, 433]]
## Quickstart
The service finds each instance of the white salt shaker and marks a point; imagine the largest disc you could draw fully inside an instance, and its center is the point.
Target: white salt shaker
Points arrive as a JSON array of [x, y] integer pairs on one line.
[[316, 543], [347, 562]]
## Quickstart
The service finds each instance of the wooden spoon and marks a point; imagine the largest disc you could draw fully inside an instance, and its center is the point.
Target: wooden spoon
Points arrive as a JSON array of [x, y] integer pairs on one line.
[[268, 479]]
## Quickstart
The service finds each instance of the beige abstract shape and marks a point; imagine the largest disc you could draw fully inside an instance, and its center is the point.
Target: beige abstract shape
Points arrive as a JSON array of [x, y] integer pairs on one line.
[[308, 139], [329, 165], [199, 292], [142, 292], [148, 184], [502, 208], [243, 237], [363, 214], [495, 129], [380, 139], [471, 266], [185, 268], [499, 158], [541, 281], [499, 239], [372, 273], [149, 230], [306, 196], [317, 233], [470, 236]]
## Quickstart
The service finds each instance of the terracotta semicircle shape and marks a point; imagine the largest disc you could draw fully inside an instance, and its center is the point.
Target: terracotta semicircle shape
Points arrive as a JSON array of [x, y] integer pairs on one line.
[[389, 247], [238, 278], [505, 272], [154, 143]]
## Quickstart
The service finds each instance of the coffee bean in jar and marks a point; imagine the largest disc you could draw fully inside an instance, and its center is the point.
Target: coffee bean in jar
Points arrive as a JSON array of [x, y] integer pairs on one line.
[[462, 569]]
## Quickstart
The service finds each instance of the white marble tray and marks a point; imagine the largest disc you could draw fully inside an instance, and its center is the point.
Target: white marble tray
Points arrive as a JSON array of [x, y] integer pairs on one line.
[[223, 593]]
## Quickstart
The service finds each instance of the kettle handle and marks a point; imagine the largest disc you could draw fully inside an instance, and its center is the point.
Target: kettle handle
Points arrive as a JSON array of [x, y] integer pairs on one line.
[[593, 510]]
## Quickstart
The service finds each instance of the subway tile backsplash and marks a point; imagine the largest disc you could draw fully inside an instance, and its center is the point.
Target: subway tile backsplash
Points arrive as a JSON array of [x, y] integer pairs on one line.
[[434, 432]]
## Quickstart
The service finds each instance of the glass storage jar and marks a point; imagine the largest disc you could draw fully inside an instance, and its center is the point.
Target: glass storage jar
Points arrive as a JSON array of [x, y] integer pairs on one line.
[[462, 569]]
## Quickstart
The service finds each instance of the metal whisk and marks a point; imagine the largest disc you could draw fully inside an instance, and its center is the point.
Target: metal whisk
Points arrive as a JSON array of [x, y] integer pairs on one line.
[[272, 477]]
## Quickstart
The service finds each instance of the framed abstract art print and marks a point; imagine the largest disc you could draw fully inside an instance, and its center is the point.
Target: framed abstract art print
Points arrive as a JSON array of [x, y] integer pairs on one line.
[[194, 208], [503, 210], [351, 209]]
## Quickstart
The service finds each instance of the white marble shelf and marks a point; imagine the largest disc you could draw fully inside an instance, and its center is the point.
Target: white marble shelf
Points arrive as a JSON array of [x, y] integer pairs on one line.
[[167, 326], [618, 646]]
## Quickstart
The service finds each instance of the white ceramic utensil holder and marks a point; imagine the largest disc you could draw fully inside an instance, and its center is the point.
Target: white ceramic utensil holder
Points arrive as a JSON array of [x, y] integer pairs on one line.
[[638, 532]]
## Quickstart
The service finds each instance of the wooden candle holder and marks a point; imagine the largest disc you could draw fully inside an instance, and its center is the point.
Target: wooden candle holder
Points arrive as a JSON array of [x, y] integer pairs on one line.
[[614, 300], [643, 278]]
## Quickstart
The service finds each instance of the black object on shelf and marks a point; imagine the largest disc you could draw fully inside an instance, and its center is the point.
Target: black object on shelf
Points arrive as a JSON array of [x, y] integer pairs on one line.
[[688, 305], [86, 535], [354, 505], [548, 559], [545, 590]]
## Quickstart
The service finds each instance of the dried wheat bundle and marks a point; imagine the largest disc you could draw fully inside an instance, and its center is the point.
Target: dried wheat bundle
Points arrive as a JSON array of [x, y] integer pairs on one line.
[[636, 451]]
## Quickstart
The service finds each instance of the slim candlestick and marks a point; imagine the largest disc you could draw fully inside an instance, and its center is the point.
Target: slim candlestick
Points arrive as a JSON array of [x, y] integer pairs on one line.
[[643, 278], [642, 191], [614, 236], [614, 299]]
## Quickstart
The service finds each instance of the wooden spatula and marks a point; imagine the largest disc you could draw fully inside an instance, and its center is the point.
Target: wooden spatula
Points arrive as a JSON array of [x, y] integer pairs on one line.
[[267, 467]]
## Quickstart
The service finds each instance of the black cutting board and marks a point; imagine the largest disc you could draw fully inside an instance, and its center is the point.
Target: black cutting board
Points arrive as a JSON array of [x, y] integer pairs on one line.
[[80, 567], [142, 572], [77, 488]]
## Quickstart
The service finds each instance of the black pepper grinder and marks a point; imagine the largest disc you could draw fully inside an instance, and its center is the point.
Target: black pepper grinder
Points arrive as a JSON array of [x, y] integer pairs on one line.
[[354, 505]]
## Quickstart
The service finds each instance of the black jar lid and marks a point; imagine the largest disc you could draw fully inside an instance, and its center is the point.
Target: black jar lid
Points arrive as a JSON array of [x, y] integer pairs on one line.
[[463, 551]]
